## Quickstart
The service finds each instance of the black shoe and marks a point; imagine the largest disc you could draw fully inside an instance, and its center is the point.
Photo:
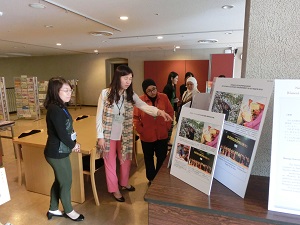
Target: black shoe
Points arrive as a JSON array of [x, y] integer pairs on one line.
[[121, 199], [79, 218], [50, 215], [131, 188]]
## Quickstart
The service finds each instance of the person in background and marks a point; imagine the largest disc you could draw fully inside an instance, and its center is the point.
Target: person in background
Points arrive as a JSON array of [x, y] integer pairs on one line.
[[60, 143], [191, 84], [153, 131], [183, 87], [170, 91], [114, 124]]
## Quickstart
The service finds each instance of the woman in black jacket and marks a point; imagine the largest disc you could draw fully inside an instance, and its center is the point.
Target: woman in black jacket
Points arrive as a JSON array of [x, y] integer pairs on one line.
[[60, 143], [170, 91]]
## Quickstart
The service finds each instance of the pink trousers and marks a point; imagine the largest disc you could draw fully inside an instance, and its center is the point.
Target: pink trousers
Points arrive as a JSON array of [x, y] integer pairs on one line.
[[110, 168]]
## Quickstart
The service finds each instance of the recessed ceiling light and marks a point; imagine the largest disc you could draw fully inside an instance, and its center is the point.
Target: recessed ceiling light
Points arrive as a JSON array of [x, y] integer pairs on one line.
[[159, 37], [48, 26], [58, 44], [96, 51], [227, 6], [177, 46], [204, 41], [123, 17], [37, 5], [101, 33]]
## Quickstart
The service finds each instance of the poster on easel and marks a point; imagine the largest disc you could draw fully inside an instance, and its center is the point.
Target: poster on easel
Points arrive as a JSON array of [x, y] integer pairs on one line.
[[208, 86], [4, 191], [244, 103], [284, 187], [196, 147]]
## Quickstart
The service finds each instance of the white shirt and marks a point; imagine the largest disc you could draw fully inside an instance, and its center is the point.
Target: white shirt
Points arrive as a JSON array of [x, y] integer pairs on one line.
[[117, 128]]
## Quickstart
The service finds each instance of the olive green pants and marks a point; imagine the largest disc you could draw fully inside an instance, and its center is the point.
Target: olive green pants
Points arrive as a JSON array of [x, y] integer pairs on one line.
[[61, 187]]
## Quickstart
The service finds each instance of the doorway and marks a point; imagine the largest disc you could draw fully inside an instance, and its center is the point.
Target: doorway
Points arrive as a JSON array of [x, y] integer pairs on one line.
[[110, 67]]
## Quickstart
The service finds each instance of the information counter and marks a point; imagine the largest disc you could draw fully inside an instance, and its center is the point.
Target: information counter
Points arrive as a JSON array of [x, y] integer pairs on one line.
[[171, 201]]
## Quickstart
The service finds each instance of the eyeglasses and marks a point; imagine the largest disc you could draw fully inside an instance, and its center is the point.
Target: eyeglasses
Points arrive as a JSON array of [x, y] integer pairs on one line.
[[152, 90], [67, 90]]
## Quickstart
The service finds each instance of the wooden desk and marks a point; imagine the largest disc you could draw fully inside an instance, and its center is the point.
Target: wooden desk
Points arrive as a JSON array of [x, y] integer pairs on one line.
[[171, 201], [38, 173]]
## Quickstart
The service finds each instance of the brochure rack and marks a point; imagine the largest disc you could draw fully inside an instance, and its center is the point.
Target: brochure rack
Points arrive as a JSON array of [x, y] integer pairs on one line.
[[26, 90], [4, 110], [43, 86], [75, 95]]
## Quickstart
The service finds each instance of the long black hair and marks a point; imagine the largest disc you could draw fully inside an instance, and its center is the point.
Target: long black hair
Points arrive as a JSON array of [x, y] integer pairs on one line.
[[171, 75], [54, 86], [187, 75], [115, 85]]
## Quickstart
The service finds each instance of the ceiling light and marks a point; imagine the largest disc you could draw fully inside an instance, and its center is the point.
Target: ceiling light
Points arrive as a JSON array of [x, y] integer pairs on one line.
[[1, 13], [48, 26], [101, 33], [159, 37], [96, 51], [227, 6], [58, 44], [177, 46], [37, 5], [123, 17], [204, 41]]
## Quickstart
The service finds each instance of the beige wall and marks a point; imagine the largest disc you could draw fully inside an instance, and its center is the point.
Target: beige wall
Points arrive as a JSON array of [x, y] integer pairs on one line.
[[89, 69], [271, 51]]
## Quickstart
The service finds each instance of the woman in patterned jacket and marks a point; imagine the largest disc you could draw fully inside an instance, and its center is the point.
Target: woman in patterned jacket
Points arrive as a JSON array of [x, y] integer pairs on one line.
[[114, 128]]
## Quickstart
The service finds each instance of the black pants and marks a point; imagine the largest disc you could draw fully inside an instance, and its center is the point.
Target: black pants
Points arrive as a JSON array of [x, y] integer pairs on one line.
[[160, 148]]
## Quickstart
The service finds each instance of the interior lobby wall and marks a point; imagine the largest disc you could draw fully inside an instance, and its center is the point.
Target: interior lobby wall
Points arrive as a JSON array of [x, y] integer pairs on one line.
[[89, 69], [270, 53]]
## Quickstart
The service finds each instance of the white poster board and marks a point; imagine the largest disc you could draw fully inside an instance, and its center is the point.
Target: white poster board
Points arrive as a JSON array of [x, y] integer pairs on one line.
[[244, 103], [4, 192], [284, 190], [201, 101], [196, 147]]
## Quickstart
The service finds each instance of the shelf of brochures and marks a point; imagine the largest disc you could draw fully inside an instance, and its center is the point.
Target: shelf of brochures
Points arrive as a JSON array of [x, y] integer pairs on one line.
[[75, 95], [43, 86], [27, 101], [4, 110]]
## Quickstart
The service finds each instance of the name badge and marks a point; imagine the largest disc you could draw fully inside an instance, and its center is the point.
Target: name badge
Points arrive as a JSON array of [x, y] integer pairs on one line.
[[118, 118], [73, 136]]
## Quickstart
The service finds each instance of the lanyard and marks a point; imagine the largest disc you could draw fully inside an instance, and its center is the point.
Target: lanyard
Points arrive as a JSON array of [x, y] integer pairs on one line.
[[66, 112], [120, 105]]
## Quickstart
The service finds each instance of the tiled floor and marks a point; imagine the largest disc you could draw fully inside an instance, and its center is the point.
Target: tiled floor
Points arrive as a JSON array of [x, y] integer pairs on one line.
[[26, 208]]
